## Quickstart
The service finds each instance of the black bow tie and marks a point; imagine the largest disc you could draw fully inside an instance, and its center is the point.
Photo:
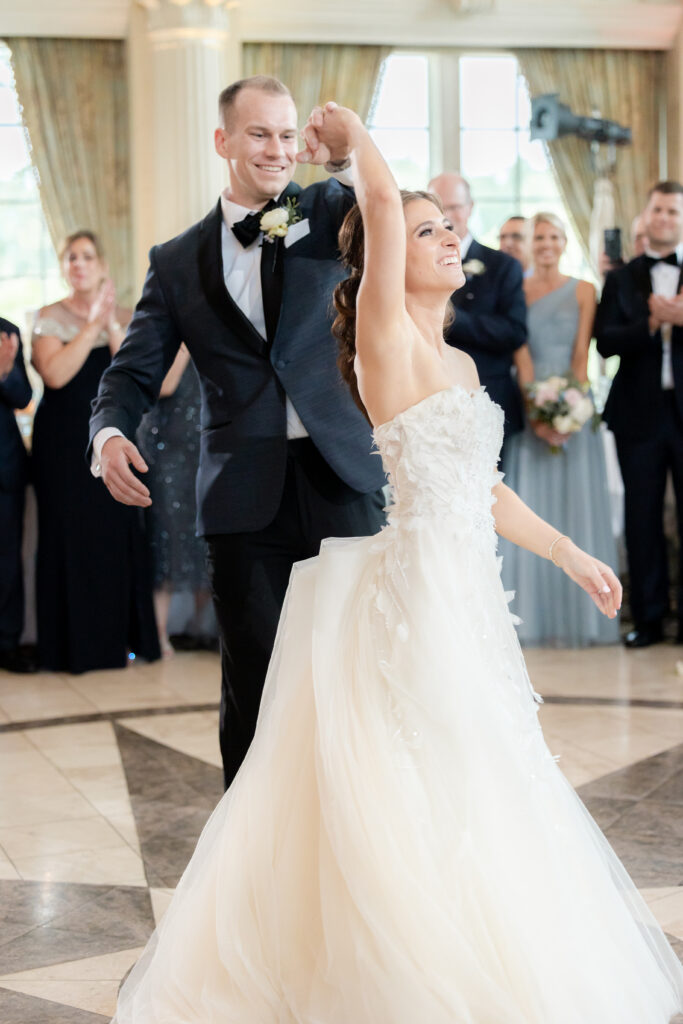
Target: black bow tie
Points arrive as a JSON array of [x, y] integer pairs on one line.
[[247, 230], [652, 261]]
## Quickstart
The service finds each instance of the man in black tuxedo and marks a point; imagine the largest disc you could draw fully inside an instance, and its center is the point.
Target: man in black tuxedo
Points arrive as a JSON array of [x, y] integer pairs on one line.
[[285, 454], [15, 393], [490, 309], [640, 319]]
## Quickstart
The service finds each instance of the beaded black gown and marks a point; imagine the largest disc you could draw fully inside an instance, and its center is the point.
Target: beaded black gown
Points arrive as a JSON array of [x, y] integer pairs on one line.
[[93, 590], [169, 441]]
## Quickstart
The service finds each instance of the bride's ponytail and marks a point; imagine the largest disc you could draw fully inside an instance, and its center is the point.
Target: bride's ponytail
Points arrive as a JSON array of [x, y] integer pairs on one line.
[[352, 249]]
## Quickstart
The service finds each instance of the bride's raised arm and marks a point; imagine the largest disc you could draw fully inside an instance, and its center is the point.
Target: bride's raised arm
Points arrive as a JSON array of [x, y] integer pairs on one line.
[[381, 297]]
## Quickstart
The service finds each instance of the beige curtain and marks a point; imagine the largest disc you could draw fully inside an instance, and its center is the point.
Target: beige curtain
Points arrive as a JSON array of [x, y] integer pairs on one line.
[[74, 99], [625, 86], [315, 74]]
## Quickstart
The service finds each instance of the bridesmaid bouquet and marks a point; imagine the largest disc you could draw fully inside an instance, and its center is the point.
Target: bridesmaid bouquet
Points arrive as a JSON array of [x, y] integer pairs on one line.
[[561, 402]]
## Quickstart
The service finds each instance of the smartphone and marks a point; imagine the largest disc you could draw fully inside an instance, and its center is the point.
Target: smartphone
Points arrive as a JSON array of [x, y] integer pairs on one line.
[[613, 245]]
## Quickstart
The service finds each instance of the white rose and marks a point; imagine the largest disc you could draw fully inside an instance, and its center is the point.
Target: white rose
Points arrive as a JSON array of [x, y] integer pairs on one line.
[[583, 411], [474, 267], [557, 382], [564, 424], [278, 218]]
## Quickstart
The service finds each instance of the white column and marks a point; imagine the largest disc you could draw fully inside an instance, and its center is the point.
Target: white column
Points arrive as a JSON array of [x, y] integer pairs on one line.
[[444, 103], [182, 53], [674, 86]]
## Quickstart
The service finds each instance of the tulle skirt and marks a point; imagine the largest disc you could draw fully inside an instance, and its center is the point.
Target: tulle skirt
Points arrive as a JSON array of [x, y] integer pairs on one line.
[[399, 846]]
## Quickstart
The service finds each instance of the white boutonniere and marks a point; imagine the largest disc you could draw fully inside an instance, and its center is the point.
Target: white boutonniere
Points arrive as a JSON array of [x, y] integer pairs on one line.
[[473, 268], [276, 223]]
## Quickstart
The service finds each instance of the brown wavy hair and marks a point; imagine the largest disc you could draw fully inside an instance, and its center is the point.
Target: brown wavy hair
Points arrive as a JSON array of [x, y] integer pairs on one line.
[[74, 237], [352, 249]]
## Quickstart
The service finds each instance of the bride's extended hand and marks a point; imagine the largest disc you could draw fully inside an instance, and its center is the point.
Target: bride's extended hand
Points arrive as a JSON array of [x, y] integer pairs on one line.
[[592, 575], [328, 134]]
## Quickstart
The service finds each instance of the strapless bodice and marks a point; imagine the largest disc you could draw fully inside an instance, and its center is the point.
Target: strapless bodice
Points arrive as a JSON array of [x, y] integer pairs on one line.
[[440, 456]]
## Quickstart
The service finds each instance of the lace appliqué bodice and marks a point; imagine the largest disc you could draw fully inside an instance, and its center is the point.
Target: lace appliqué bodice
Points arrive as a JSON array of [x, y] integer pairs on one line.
[[440, 456]]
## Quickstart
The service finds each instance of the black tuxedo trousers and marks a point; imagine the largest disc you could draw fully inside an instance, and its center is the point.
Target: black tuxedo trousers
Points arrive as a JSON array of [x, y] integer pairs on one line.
[[249, 574], [647, 423], [645, 464]]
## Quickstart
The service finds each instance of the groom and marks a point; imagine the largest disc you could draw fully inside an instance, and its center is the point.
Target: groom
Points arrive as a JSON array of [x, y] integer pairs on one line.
[[285, 454]]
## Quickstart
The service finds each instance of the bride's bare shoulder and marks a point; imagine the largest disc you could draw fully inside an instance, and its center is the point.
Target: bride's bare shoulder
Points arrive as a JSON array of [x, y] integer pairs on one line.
[[463, 368]]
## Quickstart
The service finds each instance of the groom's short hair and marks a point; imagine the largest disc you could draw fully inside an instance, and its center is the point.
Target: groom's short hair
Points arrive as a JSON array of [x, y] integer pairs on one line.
[[265, 83], [666, 188]]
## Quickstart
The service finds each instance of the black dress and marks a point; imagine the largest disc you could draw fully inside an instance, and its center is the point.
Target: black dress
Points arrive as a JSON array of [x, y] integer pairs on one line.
[[93, 591]]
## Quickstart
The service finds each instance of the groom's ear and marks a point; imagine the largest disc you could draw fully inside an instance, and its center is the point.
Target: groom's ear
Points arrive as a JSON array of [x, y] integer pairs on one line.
[[220, 141]]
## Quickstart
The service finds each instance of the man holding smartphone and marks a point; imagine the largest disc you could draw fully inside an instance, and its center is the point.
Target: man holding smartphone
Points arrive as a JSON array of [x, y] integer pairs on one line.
[[640, 319]]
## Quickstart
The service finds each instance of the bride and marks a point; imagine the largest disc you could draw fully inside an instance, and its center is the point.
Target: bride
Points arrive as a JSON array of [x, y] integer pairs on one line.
[[399, 846]]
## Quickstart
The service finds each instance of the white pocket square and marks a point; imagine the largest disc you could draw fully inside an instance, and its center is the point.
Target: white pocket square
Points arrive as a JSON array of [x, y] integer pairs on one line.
[[297, 231]]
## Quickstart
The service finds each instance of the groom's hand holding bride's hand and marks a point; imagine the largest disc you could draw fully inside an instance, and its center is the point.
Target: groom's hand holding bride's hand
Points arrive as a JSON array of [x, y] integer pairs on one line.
[[118, 454], [328, 134], [592, 575]]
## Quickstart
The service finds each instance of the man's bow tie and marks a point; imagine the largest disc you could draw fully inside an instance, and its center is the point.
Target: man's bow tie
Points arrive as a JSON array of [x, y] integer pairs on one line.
[[652, 261], [247, 230]]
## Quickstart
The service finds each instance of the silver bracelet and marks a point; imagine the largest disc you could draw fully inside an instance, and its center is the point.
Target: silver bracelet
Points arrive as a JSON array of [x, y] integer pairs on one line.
[[335, 166], [551, 549]]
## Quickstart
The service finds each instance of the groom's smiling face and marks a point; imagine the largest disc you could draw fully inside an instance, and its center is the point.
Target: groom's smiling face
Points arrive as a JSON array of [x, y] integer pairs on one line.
[[259, 141]]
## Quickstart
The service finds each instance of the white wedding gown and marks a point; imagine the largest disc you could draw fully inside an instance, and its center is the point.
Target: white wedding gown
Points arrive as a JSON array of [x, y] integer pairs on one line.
[[400, 847]]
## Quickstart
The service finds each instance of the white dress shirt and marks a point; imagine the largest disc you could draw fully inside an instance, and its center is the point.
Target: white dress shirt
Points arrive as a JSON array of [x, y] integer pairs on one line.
[[665, 278], [465, 244], [242, 276]]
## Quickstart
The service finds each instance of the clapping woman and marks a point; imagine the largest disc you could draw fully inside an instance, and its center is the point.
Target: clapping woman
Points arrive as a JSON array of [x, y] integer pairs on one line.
[[93, 597], [562, 476]]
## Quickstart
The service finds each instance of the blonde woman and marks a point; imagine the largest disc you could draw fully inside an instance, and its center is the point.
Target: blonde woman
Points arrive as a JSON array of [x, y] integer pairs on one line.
[[94, 602], [568, 487]]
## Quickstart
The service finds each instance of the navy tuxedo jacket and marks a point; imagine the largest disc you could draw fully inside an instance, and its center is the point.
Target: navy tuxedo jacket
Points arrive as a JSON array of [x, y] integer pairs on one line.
[[15, 393], [621, 329], [244, 380], [490, 324]]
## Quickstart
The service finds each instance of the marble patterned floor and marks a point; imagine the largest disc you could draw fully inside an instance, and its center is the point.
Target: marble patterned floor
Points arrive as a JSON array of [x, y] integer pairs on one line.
[[106, 780]]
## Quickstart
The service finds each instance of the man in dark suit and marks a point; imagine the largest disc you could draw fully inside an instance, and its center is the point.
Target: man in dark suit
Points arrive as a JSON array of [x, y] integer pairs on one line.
[[640, 319], [285, 454], [490, 310], [15, 393]]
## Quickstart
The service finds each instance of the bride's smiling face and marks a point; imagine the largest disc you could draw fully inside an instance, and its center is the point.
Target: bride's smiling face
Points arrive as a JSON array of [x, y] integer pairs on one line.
[[433, 250]]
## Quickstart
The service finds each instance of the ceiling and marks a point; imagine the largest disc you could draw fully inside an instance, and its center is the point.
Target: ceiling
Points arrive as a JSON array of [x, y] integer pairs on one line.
[[639, 24]]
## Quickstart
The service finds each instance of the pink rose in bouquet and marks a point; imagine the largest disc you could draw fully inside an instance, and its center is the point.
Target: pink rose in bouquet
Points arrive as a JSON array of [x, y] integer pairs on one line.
[[572, 397], [563, 403], [544, 394]]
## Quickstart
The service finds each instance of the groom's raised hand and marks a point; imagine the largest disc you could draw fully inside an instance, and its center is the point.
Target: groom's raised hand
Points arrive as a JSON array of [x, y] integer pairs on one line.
[[118, 454], [326, 135], [314, 152]]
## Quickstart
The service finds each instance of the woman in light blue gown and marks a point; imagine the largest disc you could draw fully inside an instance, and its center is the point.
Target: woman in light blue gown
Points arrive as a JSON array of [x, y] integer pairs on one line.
[[570, 488]]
